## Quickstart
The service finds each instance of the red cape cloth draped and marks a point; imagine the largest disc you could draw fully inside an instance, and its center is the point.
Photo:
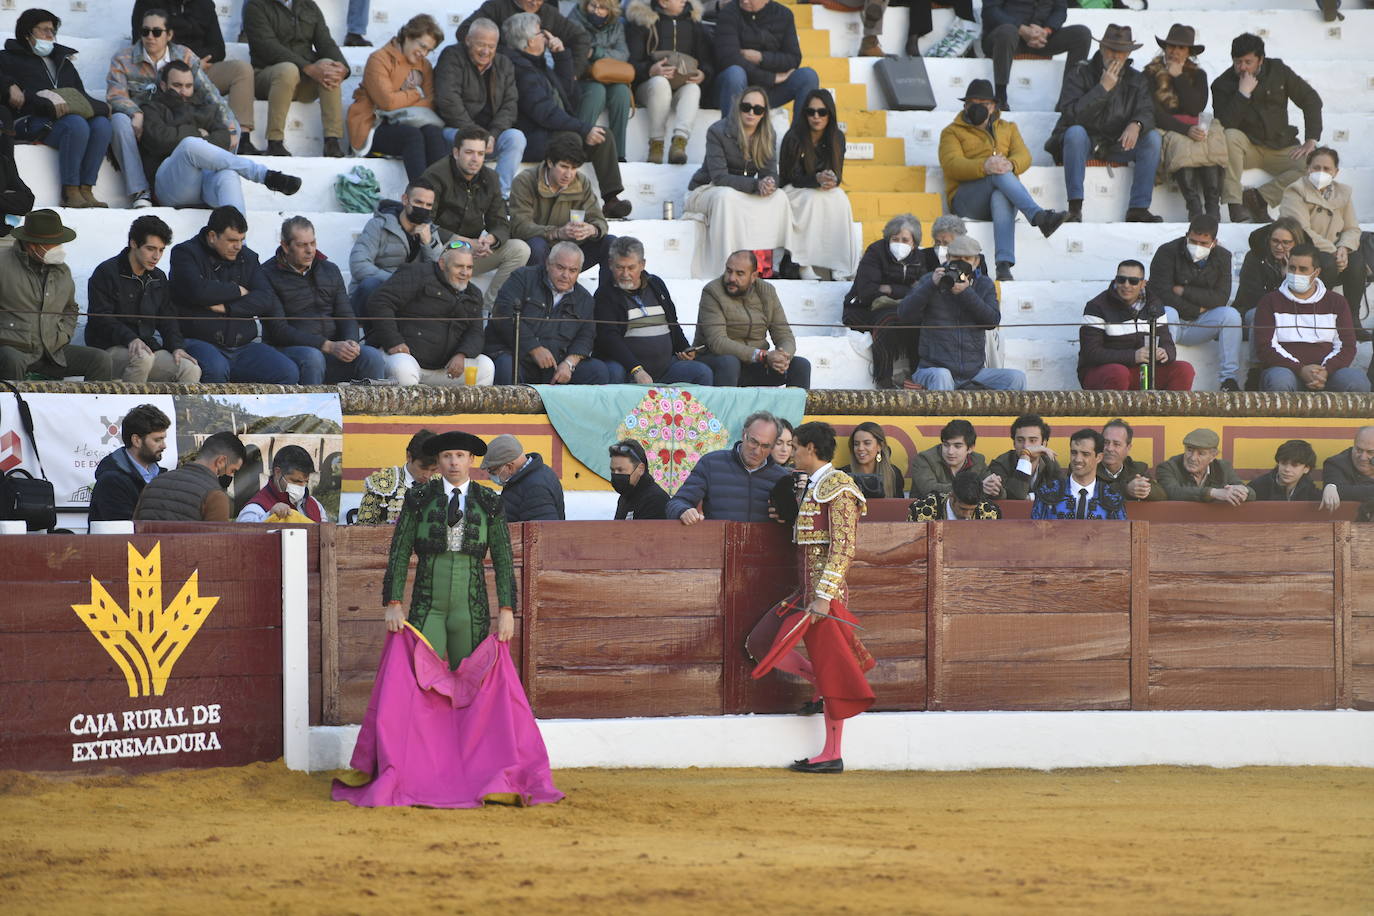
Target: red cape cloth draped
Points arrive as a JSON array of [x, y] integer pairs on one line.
[[448, 739], [837, 656]]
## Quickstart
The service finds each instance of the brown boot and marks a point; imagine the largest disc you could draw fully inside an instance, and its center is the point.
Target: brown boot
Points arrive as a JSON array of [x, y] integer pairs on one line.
[[656, 151], [677, 152], [869, 47], [90, 197], [72, 198]]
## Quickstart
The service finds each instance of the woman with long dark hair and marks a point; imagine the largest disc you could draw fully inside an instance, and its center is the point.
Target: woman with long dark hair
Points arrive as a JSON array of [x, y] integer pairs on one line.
[[870, 463], [811, 164]]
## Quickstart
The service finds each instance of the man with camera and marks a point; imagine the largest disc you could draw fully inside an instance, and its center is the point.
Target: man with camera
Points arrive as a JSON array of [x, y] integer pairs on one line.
[[955, 305]]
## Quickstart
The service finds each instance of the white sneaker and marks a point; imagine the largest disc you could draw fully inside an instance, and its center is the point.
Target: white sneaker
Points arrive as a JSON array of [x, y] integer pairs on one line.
[[141, 201]]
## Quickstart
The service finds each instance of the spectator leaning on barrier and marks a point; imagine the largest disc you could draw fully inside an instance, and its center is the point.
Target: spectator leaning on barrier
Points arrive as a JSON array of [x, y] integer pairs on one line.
[[1194, 157], [129, 304], [400, 233], [468, 206], [1349, 475], [673, 59], [530, 491], [38, 310], [295, 60], [965, 501], [384, 490], [475, 87], [553, 202], [1106, 112], [1192, 277], [887, 271], [732, 484], [121, 475], [1304, 333], [1198, 475], [737, 316], [287, 490], [637, 333], [220, 292], [810, 170], [392, 113], [1291, 478], [955, 306], [640, 495], [1080, 494], [1118, 468], [1325, 209], [1012, 27], [870, 463], [195, 492], [1030, 463], [1251, 101], [1113, 342], [756, 45], [933, 470]]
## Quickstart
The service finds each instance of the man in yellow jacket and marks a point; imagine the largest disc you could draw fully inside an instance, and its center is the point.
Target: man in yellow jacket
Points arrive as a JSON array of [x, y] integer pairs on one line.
[[982, 155]]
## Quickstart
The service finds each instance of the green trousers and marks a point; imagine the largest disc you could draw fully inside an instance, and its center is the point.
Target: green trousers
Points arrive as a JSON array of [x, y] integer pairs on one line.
[[449, 626]]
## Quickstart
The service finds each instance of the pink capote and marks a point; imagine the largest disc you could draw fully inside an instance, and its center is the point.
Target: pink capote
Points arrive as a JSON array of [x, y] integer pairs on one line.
[[448, 739]]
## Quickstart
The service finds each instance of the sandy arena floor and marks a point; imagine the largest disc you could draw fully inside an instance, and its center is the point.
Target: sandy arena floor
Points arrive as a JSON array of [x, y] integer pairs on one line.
[[261, 839]]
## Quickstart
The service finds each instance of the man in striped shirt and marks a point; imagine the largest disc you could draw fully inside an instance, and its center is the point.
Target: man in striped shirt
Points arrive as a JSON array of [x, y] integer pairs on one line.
[[1304, 335]]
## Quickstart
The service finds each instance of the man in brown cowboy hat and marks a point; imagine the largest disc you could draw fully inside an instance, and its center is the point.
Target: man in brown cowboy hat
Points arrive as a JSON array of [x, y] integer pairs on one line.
[[1106, 112], [38, 307]]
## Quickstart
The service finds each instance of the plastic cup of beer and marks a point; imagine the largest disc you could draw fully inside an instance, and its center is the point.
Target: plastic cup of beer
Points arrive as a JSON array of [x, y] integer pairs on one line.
[[469, 375], [578, 216]]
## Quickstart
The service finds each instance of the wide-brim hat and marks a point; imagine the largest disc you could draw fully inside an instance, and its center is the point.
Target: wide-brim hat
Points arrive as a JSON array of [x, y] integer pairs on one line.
[[44, 227], [1182, 36], [456, 439], [980, 90], [1118, 38]]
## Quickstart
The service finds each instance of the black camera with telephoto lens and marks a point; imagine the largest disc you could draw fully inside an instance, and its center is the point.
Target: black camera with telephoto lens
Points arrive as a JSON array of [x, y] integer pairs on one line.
[[955, 272]]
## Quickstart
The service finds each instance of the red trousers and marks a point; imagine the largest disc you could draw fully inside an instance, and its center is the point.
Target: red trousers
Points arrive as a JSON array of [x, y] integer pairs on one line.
[[1173, 376]]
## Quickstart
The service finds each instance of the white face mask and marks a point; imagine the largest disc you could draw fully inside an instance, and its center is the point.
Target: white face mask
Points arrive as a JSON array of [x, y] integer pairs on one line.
[[1320, 179], [42, 46], [1198, 252], [296, 491], [899, 250], [54, 256], [1300, 283], [941, 251]]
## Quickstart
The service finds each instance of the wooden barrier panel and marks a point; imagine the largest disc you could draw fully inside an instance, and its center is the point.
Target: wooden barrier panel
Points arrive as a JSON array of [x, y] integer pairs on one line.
[[1357, 615], [895, 510]]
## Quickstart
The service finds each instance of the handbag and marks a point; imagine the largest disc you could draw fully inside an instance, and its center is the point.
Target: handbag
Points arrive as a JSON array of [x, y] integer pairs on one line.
[[77, 103], [685, 65], [611, 71], [412, 116], [22, 496]]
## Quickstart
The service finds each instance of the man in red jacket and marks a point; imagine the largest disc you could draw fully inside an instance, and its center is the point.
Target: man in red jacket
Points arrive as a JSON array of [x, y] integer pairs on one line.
[[1304, 335]]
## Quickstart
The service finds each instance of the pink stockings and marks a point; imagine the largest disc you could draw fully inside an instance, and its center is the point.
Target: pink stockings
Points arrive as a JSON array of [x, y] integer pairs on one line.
[[796, 663], [834, 730]]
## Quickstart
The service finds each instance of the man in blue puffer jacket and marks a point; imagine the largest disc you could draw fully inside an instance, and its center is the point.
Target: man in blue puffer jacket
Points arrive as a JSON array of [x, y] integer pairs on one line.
[[733, 484]]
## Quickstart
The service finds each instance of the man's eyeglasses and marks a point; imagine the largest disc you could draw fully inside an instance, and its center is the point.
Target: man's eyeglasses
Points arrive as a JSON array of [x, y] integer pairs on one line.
[[1129, 281], [817, 112], [753, 109], [156, 33]]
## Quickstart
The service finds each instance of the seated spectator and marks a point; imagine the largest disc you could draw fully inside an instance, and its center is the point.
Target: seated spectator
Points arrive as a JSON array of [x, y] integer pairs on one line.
[[1113, 342], [1118, 468], [121, 475], [1194, 157], [943, 230], [195, 492], [1029, 465], [872, 17], [640, 496], [637, 333], [530, 491], [811, 168], [319, 334], [1012, 27], [384, 490], [38, 310], [737, 316], [551, 20], [756, 45], [15, 197], [134, 80], [1080, 494], [1349, 475], [400, 233], [785, 446], [468, 207], [964, 501], [1291, 478], [955, 42], [556, 332], [673, 59], [1192, 277], [732, 484], [129, 304], [553, 202], [1325, 208], [734, 193], [54, 107], [933, 470], [981, 155], [870, 463], [287, 491], [1106, 112], [295, 60], [475, 87], [392, 113], [955, 306], [1265, 267], [1251, 101], [600, 19], [1198, 475], [547, 98], [1304, 333], [887, 271], [185, 147], [428, 320], [195, 26], [216, 284]]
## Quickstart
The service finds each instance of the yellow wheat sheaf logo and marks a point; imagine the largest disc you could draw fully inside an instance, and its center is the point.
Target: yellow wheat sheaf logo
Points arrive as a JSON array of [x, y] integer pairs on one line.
[[147, 639]]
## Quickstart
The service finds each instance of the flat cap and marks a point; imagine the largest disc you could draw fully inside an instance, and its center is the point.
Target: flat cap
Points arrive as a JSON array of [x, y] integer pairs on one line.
[[504, 448], [1202, 438]]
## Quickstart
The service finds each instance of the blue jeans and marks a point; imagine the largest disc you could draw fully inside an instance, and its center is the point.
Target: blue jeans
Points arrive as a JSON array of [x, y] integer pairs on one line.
[[732, 81], [1078, 146], [1209, 326], [996, 197], [254, 362], [588, 372], [126, 154], [679, 372], [1279, 378], [933, 378], [508, 151], [355, 22], [198, 172], [80, 145], [319, 368]]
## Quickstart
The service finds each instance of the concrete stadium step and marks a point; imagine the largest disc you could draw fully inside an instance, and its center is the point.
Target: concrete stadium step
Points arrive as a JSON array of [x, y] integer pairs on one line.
[[875, 150]]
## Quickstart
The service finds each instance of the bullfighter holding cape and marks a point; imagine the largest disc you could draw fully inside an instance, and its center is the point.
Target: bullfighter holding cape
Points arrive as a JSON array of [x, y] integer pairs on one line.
[[825, 532]]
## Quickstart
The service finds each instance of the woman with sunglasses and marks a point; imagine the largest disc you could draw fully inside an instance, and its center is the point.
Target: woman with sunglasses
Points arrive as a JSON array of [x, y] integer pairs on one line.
[[734, 193], [812, 166]]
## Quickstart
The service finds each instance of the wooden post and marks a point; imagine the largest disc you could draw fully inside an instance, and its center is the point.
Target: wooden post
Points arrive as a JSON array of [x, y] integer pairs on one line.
[[935, 609], [1140, 615], [1342, 611], [329, 625]]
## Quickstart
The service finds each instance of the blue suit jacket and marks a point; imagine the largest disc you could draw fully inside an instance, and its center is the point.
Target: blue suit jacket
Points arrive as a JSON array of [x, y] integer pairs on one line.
[[1058, 499]]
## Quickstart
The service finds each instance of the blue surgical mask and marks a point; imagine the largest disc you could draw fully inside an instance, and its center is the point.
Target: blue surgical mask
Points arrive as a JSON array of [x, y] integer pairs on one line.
[[43, 46]]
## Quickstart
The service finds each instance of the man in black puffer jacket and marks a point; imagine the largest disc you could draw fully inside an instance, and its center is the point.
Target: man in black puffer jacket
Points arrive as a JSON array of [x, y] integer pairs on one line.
[[756, 43], [530, 491]]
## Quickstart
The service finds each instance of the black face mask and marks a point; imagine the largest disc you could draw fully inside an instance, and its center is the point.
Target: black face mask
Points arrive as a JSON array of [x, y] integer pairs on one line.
[[621, 483], [975, 114], [420, 215], [226, 481]]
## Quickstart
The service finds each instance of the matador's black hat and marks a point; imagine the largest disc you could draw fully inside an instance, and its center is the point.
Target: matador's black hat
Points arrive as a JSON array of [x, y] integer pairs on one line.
[[457, 439]]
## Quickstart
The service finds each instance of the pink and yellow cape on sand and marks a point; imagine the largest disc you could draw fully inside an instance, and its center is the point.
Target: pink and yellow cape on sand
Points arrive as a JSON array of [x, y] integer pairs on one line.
[[447, 739]]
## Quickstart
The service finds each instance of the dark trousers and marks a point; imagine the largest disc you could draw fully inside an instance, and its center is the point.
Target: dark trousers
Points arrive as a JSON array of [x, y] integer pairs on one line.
[[91, 364], [919, 20], [594, 252], [1351, 282], [732, 372], [418, 147], [587, 372], [1003, 43], [889, 339]]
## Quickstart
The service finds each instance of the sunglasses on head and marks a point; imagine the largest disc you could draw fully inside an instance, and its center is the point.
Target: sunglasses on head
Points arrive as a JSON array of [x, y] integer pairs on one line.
[[156, 33], [458, 244], [1129, 281], [624, 451], [752, 109], [817, 112]]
